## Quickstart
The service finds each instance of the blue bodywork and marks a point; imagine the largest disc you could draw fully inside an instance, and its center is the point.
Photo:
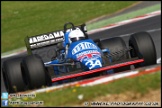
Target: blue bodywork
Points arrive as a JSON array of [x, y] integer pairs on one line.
[[85, 52]]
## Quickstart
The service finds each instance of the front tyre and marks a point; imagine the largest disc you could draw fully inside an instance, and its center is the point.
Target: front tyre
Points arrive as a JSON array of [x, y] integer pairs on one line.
[[13, 75], [143, 47], [36, 74]]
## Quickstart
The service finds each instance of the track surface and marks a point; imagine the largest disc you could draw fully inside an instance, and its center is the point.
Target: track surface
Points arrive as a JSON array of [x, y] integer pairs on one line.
[[152, 25]]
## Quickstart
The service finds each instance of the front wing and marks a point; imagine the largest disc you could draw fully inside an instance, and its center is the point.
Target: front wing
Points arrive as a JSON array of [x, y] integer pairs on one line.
[[98, 70]]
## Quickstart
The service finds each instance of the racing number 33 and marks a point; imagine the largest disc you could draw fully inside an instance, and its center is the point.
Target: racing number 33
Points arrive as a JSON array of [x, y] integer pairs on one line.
[[93, 63]]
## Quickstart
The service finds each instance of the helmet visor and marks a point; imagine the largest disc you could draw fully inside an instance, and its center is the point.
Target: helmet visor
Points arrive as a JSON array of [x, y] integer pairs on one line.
[[77, 39]]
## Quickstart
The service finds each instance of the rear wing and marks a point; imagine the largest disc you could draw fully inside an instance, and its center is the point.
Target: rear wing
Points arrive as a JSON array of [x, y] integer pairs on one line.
[[44, 44]]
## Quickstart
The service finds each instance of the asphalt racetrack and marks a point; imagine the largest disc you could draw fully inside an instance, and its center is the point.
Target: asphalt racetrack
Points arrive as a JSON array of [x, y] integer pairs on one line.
[[151, 25]]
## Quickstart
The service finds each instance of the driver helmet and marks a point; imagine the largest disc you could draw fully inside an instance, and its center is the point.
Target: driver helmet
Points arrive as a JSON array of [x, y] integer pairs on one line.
[[76, 35]]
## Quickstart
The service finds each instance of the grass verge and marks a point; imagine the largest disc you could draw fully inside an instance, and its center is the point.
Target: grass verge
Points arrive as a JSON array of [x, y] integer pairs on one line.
[[69, 96]]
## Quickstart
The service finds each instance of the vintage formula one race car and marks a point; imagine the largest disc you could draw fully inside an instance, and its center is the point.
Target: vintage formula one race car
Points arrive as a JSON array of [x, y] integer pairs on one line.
[[69, 55]]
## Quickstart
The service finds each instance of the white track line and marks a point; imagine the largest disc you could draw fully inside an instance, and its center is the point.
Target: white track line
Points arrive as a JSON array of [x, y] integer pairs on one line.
[[159, 60], [150, 31], [13, 54], [135, 19]]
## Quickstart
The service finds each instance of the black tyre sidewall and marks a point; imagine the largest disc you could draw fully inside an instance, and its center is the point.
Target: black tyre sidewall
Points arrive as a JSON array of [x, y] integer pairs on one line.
[[13, 75], [35, 71], [143, 47]]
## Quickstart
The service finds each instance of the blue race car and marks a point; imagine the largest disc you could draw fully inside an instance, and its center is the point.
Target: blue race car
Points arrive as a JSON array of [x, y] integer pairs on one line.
[[69, 55]]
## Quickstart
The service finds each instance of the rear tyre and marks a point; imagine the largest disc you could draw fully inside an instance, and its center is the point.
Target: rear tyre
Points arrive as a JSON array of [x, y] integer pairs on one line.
[[13, 77], [143, 47], [36, 74], [118, 46]]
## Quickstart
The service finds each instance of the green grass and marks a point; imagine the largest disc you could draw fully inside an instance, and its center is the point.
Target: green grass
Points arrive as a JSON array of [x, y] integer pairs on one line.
[[27, 18], [66, 97]]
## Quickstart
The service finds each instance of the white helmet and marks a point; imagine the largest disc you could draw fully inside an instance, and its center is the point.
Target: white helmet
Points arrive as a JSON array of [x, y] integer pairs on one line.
[[76, 35]]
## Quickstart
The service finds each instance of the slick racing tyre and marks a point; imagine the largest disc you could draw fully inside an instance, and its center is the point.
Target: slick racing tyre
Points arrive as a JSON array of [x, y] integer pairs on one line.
[[35, 71], [143, 47], [117, 47], [13, 76]]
